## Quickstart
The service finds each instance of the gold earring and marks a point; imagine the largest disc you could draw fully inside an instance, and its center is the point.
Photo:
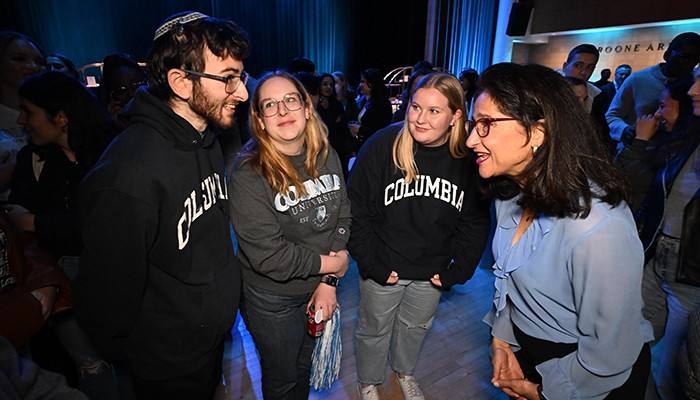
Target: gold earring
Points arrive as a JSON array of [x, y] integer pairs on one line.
[[534, 149]]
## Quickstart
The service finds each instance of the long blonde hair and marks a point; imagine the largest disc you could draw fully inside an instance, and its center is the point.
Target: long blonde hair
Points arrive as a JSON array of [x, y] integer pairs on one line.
[[403, 151], [267, 160]]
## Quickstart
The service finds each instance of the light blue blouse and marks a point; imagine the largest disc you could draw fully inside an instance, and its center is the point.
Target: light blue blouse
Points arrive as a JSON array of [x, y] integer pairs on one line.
[[573, 281]]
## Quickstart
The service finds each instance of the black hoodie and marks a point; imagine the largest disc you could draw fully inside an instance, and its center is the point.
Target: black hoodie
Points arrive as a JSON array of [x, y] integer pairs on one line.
[[158, 283]]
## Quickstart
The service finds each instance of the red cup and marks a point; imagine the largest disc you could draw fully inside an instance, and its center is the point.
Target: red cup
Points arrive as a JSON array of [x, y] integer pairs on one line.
[[315, 326]]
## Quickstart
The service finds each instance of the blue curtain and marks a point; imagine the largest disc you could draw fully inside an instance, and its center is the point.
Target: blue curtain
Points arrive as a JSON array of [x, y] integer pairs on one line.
[[281, 30], [346, 35], [465, 34]]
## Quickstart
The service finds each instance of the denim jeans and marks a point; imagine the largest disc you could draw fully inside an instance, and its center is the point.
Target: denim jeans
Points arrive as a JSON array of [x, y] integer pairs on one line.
[[393, 316], [667, 304], [278, 325]]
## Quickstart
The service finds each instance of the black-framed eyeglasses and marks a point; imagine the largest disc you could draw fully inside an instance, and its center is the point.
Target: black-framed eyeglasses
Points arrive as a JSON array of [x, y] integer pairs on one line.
[[483, 125], [292, 102], [232, 81], [126, 92]]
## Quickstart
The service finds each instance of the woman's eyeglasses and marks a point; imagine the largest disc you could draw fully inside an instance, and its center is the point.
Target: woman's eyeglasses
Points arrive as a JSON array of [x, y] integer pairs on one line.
[[483, 125], [291, 101]]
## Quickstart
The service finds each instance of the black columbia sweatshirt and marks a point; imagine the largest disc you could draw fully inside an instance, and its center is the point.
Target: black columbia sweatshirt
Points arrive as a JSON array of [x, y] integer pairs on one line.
[[159, 284]]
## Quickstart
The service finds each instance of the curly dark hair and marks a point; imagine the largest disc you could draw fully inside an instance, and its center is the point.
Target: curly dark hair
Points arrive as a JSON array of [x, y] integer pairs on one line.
[[572, 166], [183, 47]]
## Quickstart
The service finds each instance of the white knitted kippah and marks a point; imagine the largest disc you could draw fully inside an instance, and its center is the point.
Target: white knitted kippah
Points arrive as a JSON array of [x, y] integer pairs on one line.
[[178, 19]]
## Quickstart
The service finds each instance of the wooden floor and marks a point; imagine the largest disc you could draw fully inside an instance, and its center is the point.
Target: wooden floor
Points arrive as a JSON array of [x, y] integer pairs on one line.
[[454, 361]]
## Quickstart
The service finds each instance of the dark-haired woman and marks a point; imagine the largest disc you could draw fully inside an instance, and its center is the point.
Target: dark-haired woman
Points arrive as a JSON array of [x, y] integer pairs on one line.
[[333, 115], [567, 317], [69, 129], [20, 58], [662, 164], [292, 220], [375, 107]]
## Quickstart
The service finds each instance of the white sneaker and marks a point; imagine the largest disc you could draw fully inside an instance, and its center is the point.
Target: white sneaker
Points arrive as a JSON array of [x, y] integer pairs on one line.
[[410, 388], [367, 393]]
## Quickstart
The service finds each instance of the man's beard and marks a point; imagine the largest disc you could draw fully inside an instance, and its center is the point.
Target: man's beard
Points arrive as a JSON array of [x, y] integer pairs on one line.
[[208, 110]]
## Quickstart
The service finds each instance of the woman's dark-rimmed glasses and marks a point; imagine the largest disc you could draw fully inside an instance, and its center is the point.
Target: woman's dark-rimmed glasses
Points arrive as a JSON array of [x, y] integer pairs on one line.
[[232, 81], [483, 125]]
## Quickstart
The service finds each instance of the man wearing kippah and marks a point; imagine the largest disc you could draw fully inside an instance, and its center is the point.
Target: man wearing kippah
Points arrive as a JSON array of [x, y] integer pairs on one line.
[[158, 286]]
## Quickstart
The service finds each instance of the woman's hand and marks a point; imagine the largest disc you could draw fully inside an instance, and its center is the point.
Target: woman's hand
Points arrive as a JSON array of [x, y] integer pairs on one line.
[[436, 280], [323, 299], [393, 278], [335, 263], [521, 387], [646, 127], [323, 102], [46, 296], [506, 368], [21, 218]]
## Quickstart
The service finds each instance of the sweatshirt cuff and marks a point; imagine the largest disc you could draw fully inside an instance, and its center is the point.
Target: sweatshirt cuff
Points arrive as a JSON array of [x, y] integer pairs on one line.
[[378, 273], [455, 274]]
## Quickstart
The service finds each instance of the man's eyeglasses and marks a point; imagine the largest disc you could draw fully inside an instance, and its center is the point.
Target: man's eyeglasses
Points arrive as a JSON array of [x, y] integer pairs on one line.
[[291, 101], [483, 125], [123, 93], [232, 81]]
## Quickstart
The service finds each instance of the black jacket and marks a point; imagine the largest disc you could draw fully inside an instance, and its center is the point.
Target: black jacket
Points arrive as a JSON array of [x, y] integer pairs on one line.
[[650, 189], [53, 198], [158, 283]]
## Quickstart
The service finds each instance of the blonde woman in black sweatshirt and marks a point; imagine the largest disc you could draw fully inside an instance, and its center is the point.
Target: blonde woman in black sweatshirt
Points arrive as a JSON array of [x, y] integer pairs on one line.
[[418, 227]]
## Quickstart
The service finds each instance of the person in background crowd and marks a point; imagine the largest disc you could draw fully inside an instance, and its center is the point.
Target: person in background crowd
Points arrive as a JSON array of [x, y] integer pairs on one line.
[[32, 286], [580, 88], [59, 62], [567, 316], [302, 64], [375, 107], [158, 281], [291, 216], [664, 173], [20, 58], [346, 96], [604, 76], [689, 358], [610, 89], [423, 64], [121, 76], [69, 130], [23, 379], [468, 78], [333, 115], [639, 95], [312, 84], [580, 64], [409, 248]]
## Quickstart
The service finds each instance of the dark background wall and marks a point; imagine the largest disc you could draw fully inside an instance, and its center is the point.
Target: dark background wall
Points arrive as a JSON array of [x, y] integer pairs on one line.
[[558, 15], [342, 34]]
